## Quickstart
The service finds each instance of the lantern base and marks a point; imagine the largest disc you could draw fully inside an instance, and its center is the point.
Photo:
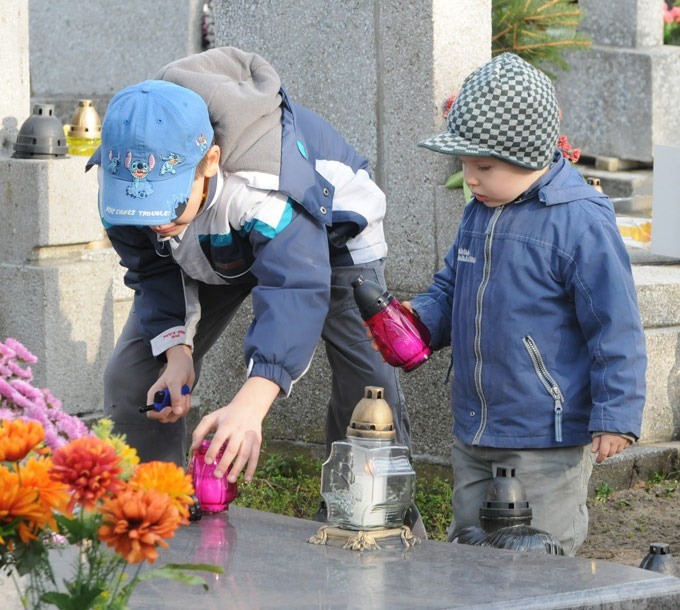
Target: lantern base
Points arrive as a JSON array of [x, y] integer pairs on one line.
[[364, 540]]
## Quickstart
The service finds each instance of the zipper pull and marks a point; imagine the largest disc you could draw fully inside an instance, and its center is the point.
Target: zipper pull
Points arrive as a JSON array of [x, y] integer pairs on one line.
[[558, 413]]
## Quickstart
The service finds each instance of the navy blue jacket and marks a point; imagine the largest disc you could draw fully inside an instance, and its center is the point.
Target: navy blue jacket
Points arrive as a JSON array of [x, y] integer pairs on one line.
[[537, 300]]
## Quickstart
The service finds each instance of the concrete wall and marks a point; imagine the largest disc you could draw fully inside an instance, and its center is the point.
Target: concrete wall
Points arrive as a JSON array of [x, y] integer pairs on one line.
[[14, 71], [618, 98], [90, 50]]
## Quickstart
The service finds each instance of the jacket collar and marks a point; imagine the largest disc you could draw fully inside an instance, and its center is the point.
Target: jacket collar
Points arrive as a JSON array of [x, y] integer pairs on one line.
[[560, 185]]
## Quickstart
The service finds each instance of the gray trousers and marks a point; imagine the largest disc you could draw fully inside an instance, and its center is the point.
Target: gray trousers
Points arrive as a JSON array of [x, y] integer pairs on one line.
[[132, 369], [555, 482]]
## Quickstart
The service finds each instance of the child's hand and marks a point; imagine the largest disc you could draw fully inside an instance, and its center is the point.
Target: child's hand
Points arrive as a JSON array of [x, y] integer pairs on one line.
[[369, 334], [239, 425], [178, 372], [606, 445]]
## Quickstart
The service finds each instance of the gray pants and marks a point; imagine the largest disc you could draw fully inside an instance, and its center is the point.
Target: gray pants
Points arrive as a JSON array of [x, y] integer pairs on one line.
[[132, 369], [555, 482]]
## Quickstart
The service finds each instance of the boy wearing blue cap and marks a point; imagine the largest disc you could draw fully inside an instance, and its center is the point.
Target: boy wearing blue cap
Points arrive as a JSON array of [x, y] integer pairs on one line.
[[214, 186], [537, 300]]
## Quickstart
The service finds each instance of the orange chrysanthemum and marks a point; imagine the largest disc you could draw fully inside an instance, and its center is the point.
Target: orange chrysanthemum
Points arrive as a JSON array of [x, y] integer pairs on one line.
[[19, 504], [90, 467], [52, 494], [136, 521], [167, 478], [18, 437]]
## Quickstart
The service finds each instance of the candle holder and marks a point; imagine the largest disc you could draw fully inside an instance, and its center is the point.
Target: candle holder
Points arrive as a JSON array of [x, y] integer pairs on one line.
[[505, 520], [83, 133], [41, 136], [367, 482], [214, 494]]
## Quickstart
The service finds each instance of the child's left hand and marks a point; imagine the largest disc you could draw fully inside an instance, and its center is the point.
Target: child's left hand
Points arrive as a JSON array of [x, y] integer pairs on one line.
[[606, 445]]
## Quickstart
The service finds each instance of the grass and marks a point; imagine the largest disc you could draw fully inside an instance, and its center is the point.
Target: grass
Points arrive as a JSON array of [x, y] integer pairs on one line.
[[289, 484]]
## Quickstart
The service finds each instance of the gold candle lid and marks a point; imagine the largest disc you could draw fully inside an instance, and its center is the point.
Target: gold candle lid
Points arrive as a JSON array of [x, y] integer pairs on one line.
[[85, 122], [372, 417]]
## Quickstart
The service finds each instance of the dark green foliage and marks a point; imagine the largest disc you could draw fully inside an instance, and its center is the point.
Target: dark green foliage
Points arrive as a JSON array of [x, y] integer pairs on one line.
[[539, 31], [284, 485]]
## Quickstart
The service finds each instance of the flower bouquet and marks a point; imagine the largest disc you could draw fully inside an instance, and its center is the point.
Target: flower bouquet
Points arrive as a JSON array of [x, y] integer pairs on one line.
[[79, 515]]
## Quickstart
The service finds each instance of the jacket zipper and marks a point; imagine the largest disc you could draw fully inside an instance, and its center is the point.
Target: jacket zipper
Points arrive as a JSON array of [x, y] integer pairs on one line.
[[486, 274], [548, 383]]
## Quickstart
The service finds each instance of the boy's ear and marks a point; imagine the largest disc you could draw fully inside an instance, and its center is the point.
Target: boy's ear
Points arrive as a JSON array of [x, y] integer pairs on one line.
[[212, 161]]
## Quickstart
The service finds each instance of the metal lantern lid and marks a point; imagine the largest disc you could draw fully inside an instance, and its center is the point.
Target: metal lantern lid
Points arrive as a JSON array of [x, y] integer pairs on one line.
[[505, 503], [85, 122], [660, 559], [41, 136], [372, 417]]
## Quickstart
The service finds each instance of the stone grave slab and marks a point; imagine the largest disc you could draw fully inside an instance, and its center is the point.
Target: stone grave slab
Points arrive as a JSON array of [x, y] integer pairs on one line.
[[268, 563]]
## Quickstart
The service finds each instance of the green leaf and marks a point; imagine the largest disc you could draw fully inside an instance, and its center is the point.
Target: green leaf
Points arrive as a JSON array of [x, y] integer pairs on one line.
[[65, 601], [78, 529], [30, 557], [467, 192], [454, 181], [173, 571], [203, 567]]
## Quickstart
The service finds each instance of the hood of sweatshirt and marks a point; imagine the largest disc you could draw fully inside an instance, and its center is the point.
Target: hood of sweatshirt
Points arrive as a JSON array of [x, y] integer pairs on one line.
[[242, 92]]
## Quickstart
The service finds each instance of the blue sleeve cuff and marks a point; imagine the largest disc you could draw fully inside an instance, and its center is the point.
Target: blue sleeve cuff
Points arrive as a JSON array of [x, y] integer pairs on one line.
[[273, 372]]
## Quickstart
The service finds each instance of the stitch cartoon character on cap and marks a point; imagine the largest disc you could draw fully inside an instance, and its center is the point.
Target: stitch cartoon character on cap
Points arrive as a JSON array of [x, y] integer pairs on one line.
[[114, 162], [170, 162], [139, 170]]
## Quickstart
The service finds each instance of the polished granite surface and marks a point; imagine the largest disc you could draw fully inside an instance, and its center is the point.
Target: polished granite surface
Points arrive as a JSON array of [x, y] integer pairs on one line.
[[268, 563]]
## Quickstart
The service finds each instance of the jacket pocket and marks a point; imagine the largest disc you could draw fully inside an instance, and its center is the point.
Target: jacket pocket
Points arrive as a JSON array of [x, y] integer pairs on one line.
[[548, 383]]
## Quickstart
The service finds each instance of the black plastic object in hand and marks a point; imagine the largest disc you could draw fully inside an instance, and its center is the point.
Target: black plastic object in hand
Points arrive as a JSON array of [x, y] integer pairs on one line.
[[161, 399]]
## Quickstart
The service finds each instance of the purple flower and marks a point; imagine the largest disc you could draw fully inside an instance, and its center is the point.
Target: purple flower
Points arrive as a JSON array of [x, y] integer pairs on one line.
[[16, 369], [20, 351], [18, 398]]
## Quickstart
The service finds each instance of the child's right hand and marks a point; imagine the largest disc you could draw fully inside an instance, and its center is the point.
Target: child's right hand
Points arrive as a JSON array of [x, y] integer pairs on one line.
[[239, 425]]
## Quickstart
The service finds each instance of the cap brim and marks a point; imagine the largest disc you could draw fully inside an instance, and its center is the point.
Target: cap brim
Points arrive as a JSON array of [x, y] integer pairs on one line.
[[143, 203], [451, 144]]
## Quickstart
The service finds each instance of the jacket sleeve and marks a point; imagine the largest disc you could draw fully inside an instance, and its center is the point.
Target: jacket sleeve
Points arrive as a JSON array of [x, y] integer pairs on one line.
[[601, 284], [162, 296], [434, 307], [290, 301]]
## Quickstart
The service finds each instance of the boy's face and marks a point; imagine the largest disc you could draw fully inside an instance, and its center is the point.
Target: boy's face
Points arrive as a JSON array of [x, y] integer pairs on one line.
[[196, 199], [495, 182]]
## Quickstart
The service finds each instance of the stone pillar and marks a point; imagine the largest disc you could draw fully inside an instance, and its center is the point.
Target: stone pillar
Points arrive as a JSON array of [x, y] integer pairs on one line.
[[15, 98], [618, 97], [56, 294], [379, 72]]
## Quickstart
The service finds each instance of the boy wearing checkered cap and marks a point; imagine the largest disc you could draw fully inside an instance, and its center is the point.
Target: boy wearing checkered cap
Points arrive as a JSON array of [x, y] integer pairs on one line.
[[537, 300]]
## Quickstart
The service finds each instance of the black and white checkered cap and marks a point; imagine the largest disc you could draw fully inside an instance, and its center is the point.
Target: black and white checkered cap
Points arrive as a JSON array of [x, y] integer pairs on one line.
[[506, 109]]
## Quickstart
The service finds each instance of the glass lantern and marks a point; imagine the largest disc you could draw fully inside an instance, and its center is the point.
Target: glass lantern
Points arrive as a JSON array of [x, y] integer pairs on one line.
[[367, 481]]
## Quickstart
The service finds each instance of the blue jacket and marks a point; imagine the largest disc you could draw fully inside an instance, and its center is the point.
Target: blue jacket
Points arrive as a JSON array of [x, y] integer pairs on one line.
[[537, 300], [278, 234]]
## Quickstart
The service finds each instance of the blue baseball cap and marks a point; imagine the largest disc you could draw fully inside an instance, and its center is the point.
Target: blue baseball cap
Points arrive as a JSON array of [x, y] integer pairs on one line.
[[154, 134]]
